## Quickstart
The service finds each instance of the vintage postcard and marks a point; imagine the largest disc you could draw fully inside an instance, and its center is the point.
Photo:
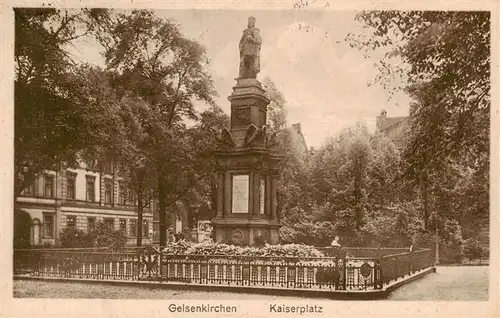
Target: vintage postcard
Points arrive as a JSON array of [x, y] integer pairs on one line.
[[305, 158]]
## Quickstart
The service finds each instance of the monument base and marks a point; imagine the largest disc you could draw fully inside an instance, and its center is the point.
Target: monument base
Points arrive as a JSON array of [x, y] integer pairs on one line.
[[246, 232]]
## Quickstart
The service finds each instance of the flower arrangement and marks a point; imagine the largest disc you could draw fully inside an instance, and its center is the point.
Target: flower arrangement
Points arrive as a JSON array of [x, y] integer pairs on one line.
[[222, 249]]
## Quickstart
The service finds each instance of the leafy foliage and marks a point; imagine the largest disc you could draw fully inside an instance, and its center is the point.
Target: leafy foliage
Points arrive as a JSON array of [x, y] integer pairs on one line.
[[75, 238], [150, 59], [350, 175], [293, 190], [53, 109], [442, 59], [472, 249], [104, 236], [100, 236], [186, 235], [276, 110]]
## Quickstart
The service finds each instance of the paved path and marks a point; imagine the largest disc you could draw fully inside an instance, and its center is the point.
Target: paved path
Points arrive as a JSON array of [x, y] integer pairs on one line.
[[449, 283]]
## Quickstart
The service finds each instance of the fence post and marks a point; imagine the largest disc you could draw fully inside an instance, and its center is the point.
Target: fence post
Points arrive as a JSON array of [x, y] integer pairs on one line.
[[160, 265], [378, 274]]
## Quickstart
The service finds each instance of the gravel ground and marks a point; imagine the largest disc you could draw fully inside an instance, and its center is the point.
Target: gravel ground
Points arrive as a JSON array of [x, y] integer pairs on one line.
[[48, 289], [449, 283]]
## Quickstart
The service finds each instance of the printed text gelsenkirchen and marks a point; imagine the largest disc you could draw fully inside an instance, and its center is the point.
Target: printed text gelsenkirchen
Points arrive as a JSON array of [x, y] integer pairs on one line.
[[202, 308]]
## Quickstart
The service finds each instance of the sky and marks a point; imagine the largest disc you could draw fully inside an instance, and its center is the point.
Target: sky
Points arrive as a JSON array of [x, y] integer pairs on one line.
[[323, 79]]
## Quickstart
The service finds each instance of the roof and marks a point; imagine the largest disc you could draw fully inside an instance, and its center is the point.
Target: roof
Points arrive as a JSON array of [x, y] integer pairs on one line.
[[391, 121]]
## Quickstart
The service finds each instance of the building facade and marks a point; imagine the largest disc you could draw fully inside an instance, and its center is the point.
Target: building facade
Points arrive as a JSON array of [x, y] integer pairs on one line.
[[79, 198]]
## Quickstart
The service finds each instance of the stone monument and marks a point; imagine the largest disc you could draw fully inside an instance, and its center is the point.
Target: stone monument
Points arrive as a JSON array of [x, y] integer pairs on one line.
[[248, 165]]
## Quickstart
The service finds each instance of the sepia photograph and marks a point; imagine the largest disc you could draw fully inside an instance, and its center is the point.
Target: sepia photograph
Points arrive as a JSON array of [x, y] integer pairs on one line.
[[270, 155]]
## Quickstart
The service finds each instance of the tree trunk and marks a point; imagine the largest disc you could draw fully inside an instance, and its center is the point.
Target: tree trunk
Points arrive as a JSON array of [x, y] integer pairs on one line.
[[357, 193], [139, 221], [140, 204], [425, 198], [162, 208]]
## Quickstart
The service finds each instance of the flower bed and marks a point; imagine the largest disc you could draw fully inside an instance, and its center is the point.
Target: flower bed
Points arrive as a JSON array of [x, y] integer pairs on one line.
[[222, 249]]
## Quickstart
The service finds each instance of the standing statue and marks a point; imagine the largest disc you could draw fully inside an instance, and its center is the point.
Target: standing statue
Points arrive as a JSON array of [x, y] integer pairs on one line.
[[250, 51]]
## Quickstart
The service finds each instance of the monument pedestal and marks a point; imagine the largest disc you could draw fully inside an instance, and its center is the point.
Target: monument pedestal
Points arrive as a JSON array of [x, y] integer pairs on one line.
[[248, 172]]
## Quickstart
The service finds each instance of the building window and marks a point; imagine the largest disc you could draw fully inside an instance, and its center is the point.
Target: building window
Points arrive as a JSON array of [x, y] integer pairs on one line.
[[121, 193], [90, 224], [90, 188], [123, 225], [48, 225], [71, 221], [108, 191], [48, 189], [70, 185], [110, 223], [133, 228], [145, 228]]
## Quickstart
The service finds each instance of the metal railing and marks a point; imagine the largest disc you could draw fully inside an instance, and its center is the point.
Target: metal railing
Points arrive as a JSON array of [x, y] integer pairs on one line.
[[326, 273], [358, 252], [270, 271]]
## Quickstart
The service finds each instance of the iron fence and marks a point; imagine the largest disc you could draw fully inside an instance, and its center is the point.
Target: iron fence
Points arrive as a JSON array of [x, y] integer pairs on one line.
[[326, 273], [287, 272], [81, 263]]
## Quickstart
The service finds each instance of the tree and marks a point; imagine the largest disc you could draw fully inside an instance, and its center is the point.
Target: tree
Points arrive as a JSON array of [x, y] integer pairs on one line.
[[353, 181], [340, 172], [211, 121], [151, 59], [276, 110], [293, 189], [445, 67], [48, 91], [134, 163]]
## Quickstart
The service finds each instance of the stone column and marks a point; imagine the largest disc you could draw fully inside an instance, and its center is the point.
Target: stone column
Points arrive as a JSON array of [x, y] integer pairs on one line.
[[274, 203], [227, 194], [256, 191], [251, 195], [268, 198], [220, 194]]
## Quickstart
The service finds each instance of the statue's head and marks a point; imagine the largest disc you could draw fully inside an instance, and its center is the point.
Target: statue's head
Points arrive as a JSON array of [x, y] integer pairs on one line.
[[251, 22]]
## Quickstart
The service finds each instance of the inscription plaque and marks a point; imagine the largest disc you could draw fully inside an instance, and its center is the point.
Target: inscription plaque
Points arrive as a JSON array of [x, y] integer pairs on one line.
[[240, 193], [241, 116]]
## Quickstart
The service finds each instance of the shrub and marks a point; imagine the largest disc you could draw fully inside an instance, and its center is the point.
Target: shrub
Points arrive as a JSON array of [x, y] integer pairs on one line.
[[310, 233], [100, 236], [451, 243], [186, 235], [75, 238], [103, 236], [472, 249]]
